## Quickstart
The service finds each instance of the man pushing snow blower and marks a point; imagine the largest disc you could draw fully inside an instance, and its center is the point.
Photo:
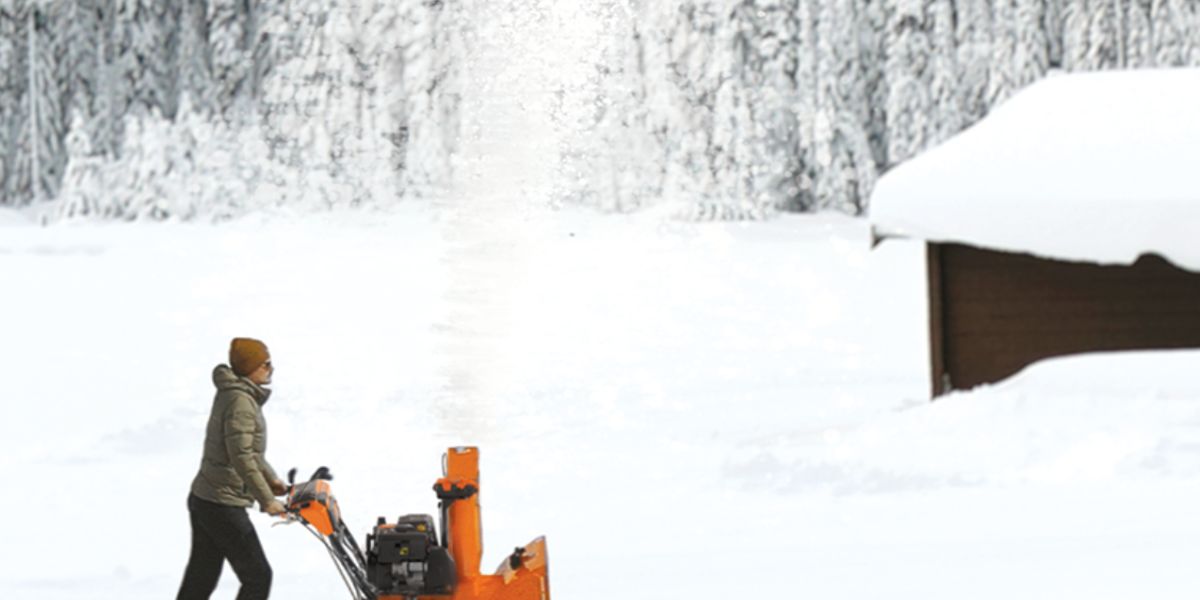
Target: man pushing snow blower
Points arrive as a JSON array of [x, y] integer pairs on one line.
[[406, 559], [403, 560], [233, 475]]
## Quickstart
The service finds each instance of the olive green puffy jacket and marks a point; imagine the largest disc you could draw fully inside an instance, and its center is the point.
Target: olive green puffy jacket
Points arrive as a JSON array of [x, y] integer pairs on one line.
[[233, 471]]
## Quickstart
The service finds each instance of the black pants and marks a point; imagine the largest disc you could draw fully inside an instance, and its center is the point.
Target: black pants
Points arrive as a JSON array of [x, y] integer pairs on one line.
[[221, 533]]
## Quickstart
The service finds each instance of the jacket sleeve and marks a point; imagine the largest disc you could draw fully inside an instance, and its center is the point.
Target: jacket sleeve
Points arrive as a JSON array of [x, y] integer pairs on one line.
[[239, 443], [266, 469]]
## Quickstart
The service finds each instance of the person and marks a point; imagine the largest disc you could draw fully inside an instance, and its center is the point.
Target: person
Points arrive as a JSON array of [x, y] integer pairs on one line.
[[233, 475]]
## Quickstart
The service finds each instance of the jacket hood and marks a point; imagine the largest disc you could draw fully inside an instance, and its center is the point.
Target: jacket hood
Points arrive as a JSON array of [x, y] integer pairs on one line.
[[224, 378]]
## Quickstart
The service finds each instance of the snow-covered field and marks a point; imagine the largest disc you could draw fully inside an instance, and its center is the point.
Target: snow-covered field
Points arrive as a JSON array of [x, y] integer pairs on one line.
[[686, 411]]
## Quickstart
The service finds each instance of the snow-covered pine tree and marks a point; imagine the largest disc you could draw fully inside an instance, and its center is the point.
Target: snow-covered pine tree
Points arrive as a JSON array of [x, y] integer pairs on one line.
[[142, 31], [844, 165], [1052, 24], [1169, 32], [831, 186], [1076, 31], [228, 59], [81, 30], [1019, 47], [694, 77], [735, 150], [382, 54], [909, 106], [168, 14], [1002, 75], [872, 30], [234, 174], [433, 51], [786, 180], [973, 34], [366, 49], [801, 177], [40, 129], [1191, 28], [112, 93], [260, 16], [260, 183], [672, 35], [280, 106], [194, 78], [723, 105], [332, 105], [651, 125], [1105, 35], [57, 14], [341, 109], [1031, 56], [1139, 49], [644, 125], [746, 155], [291, 95], [83, 191], [190, 167], [11, 91], [944, 72], [136, 180]]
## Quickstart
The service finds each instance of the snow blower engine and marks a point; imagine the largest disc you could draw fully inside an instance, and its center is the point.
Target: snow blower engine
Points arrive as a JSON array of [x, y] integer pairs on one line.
[[406, 560]]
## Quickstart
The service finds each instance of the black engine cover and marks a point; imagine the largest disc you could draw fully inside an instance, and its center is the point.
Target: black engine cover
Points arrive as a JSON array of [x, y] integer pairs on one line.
[[404, 558]]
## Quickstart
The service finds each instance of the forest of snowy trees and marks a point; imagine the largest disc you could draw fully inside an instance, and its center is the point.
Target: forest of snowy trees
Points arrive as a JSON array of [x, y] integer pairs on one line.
[[759, 105], [178, 108], [207, 108]]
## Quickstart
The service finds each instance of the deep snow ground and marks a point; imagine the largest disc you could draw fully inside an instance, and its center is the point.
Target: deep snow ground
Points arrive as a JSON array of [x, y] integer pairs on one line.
[[700, 411]]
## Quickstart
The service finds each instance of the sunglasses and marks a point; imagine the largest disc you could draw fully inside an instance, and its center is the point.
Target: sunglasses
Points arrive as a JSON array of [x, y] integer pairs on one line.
[[269, 366]]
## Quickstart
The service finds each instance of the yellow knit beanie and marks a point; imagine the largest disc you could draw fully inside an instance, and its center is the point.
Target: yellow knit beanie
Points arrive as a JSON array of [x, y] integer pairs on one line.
[[246, 355]]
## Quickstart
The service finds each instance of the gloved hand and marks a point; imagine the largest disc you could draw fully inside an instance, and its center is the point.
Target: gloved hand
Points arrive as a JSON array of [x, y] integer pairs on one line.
[[278, 487], [275, 508]]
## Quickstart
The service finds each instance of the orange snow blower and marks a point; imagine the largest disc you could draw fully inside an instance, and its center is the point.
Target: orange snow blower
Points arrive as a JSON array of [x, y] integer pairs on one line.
[[406, 560]]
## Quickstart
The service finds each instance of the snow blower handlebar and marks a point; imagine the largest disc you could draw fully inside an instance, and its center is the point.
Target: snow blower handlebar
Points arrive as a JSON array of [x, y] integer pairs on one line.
[[312, 504], [313, 501]]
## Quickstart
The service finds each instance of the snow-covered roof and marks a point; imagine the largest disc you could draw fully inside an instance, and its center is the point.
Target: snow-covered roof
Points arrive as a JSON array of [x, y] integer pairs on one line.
[[1098, 167]]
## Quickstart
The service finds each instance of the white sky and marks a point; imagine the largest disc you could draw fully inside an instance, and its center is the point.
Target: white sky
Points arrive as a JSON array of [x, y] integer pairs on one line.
[[1099, 167]]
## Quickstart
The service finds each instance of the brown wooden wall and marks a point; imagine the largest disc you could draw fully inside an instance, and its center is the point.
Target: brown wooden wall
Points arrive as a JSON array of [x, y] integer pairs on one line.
[[992, 313]]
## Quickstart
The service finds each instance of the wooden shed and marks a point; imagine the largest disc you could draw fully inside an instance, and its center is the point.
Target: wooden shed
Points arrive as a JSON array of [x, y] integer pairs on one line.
[[1045, 239], [991, 313]]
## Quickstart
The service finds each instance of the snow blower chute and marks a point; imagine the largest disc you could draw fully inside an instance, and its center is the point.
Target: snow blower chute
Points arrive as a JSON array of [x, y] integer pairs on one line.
[[406, 560]]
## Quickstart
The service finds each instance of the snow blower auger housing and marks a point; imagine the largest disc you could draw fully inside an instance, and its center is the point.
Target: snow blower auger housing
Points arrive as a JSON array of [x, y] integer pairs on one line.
[[406, 559]]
